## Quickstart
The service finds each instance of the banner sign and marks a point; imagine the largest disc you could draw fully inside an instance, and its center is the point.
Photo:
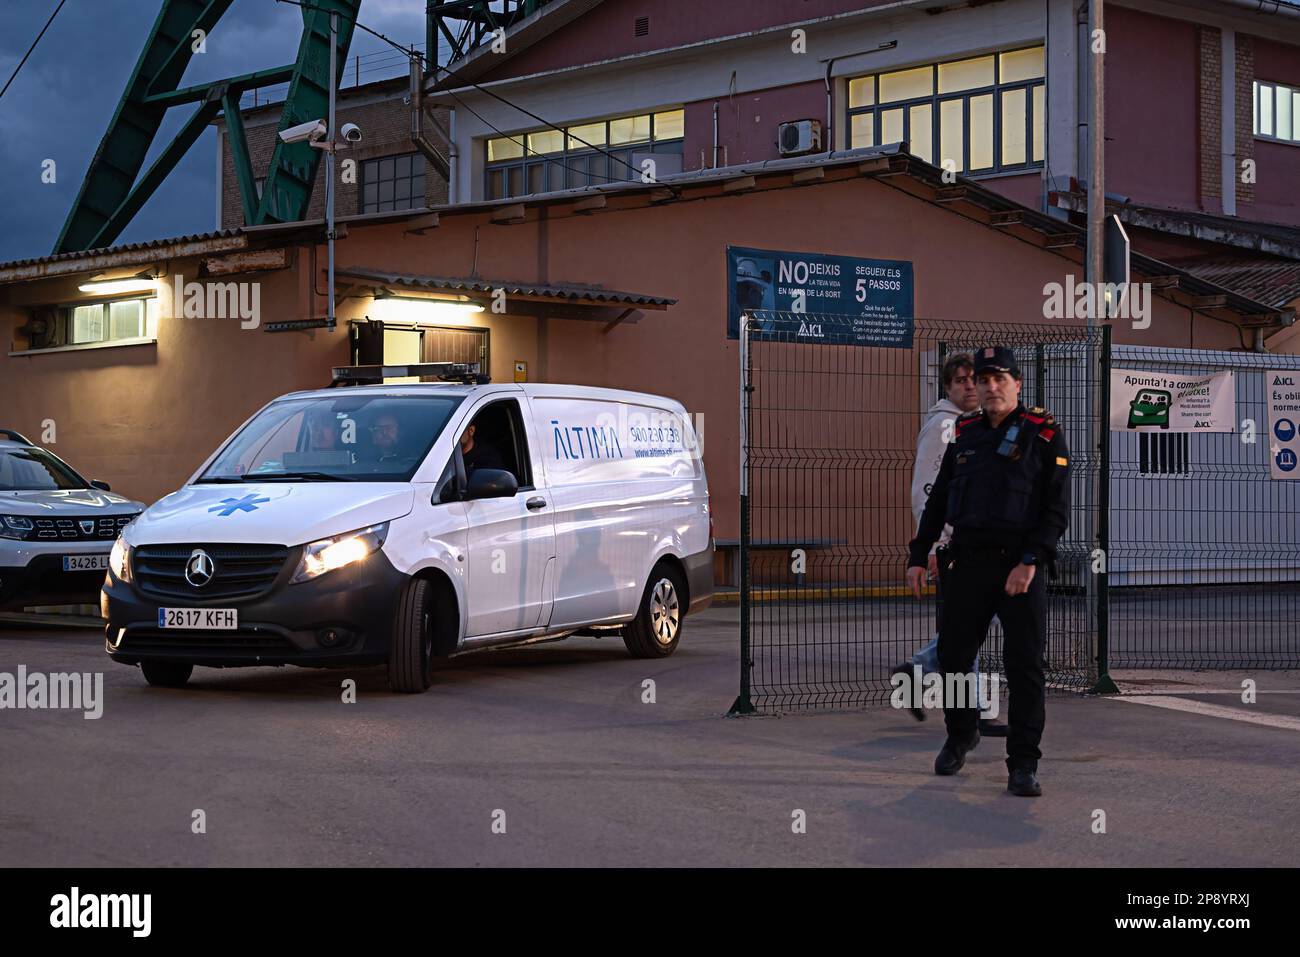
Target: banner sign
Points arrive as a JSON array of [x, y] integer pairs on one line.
[[1283, 389], [1147, 401], [815, 298]]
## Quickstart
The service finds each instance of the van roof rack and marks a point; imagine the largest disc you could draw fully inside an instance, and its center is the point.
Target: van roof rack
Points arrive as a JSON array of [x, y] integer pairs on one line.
[[15, 436], [464, 372]]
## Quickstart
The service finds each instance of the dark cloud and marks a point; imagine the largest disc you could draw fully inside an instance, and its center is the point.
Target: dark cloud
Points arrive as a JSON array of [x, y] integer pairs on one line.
[[61, 103]]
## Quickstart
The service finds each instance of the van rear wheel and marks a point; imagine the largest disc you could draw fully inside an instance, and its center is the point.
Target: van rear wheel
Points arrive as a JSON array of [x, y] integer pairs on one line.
[[410, 656], [657, 627], [167, 674]]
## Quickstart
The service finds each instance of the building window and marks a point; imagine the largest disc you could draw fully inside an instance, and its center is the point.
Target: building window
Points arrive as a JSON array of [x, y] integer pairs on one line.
[[109, 321], [392, 182], [548, 160], [1277, 112], [986, 114], [1163, 453]]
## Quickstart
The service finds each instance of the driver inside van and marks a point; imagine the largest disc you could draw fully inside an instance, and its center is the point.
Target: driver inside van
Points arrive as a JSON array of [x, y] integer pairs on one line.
[[385, 436]]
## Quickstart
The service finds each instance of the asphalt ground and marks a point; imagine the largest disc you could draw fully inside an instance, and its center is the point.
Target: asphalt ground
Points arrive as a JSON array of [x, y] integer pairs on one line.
[[559, 744]]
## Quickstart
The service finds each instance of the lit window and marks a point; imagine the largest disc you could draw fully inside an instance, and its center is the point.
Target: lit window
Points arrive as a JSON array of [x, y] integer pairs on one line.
[[948, 112], [585, 154], [1277, 112], [110, 321]]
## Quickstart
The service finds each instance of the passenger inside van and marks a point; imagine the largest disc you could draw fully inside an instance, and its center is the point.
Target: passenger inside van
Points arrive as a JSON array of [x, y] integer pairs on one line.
[[479, 453]]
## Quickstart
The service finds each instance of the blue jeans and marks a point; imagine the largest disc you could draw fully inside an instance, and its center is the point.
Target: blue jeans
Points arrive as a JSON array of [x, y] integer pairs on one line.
[[928, 659]]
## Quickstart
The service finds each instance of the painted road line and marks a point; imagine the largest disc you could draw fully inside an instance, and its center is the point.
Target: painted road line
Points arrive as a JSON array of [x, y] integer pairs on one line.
[[1283, 721]]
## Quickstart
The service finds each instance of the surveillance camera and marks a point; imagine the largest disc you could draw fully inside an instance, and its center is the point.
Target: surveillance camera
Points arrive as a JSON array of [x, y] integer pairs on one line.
[[351, 132], [303, 132]]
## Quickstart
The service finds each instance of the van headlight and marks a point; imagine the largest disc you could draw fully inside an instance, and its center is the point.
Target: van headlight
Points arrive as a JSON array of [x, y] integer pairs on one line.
[[331, 553], [119, 559]]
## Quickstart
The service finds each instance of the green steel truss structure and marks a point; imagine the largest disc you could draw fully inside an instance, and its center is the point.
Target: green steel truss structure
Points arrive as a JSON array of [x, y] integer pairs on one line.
[[114, 191], [465, 24]]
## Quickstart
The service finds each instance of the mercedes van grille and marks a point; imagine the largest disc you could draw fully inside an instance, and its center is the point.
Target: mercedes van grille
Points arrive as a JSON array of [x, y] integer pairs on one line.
[[238, 571]]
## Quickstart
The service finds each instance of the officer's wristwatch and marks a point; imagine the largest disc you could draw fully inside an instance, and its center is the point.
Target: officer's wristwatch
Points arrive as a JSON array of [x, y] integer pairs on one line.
[[1029, 558]]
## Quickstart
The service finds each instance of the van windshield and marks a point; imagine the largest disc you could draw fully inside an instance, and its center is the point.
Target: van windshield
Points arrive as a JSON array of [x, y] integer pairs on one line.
[[345, 438]]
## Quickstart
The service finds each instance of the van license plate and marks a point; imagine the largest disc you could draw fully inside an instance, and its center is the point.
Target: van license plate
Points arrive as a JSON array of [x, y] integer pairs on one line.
[[85, 563], [202, 618]]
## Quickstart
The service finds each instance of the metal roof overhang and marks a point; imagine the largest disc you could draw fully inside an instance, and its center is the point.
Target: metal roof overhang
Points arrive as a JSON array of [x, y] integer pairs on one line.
[[551, 300]]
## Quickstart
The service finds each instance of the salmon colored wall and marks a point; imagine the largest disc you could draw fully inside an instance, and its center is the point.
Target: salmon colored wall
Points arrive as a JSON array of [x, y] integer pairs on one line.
[[144, 417]]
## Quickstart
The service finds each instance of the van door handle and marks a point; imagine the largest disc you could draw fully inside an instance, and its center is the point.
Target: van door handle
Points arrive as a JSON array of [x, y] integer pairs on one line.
[[536, 502]]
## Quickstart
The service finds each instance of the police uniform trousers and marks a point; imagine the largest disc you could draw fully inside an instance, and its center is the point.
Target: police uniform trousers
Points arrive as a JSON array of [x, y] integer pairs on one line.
[[974, 589]]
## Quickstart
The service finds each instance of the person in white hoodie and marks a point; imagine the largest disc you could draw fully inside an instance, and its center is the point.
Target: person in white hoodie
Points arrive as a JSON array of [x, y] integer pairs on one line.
[[958, 376]]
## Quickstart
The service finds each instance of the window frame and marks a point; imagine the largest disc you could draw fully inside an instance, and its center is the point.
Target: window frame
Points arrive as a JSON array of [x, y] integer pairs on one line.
[[1257, 86], [64, 312], [373, 163], [936, 99], [561, 164]]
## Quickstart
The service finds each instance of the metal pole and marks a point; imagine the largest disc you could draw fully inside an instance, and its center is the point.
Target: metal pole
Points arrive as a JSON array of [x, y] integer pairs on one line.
[[329, 161], [1097, 161], [742, 704], [1105, 684]]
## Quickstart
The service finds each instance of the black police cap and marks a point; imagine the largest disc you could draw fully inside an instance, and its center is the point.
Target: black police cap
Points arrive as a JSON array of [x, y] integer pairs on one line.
[[996, 359]]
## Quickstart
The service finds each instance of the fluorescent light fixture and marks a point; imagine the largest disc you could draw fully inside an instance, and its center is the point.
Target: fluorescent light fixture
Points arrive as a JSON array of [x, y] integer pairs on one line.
[[402, 309], [110, 286]]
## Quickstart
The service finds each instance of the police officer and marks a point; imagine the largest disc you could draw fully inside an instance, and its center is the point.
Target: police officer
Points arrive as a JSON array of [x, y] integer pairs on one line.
[[1004, 487]]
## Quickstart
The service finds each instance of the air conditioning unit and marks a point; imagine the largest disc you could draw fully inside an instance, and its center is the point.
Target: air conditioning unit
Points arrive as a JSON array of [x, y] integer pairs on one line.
[[799, 137]]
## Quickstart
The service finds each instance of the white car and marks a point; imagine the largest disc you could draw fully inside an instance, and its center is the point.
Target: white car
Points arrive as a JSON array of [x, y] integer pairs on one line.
[[56, 528], [402, 523]]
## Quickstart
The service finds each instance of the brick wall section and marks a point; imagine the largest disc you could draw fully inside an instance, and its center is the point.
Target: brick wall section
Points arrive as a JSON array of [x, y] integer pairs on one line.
[[1245, 145], [385, 127], [1210, 116]]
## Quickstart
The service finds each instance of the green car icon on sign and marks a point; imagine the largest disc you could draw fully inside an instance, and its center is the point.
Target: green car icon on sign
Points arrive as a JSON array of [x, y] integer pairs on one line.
[[1150, 407]]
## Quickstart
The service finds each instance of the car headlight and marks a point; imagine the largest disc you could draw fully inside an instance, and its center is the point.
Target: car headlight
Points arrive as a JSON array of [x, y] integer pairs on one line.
[[15, 526], [331, 553], [119, 559]]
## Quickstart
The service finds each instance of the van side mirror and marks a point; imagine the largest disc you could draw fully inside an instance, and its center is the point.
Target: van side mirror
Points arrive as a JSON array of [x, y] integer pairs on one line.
[[102, 486], [491, 483]]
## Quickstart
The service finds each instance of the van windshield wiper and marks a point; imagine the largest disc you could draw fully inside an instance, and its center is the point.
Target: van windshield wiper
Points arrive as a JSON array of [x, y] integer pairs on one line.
[[218, 479], [296, 477]]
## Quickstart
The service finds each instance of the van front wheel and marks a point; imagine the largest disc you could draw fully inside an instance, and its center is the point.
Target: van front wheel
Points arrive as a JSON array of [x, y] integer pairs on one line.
[[410, 656], [657, 627]]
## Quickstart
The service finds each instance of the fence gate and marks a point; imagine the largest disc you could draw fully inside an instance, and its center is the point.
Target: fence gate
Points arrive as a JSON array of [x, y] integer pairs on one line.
[[828, 442], [1204, 560]]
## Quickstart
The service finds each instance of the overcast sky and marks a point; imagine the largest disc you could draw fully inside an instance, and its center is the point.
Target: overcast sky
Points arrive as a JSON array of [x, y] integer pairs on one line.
[[60, 105]]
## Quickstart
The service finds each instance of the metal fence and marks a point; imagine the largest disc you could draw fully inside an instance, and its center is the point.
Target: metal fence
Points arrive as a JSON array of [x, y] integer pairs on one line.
[[1204, 558], [829, 440]]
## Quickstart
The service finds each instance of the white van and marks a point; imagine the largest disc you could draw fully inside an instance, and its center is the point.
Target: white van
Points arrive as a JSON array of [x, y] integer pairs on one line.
[[402, 523]]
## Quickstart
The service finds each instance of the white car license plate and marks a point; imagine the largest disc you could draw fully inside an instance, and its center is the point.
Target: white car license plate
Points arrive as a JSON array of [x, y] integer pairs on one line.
[[85, 563], [201, 618]]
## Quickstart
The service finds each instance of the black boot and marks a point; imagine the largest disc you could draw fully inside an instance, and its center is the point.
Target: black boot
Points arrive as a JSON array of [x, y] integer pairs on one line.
[[992, 729], [915, 693], [953, 755], [1022, 782]]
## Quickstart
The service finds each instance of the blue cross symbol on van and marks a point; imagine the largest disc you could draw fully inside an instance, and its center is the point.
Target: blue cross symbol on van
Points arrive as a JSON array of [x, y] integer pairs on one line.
[[229, 506]]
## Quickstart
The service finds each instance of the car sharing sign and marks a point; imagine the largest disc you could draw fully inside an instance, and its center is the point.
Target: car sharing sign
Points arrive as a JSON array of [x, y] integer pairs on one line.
[[828, 300], [1283, 388], [1146, 401]]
